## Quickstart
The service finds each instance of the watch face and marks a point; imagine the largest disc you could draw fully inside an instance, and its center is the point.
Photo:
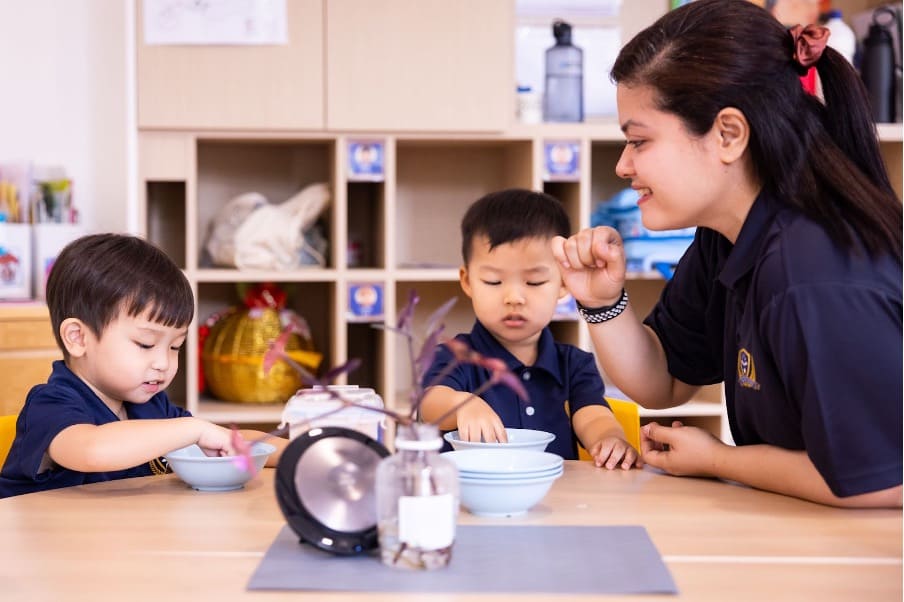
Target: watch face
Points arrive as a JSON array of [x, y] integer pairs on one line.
[[325, 488]]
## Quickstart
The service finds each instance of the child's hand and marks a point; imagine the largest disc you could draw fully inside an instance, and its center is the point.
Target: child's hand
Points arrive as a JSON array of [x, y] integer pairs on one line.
[[478, 422], [612, 451], [215, 440]]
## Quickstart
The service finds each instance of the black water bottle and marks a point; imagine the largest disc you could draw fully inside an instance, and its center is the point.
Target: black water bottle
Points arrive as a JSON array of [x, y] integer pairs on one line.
[[877, 68]]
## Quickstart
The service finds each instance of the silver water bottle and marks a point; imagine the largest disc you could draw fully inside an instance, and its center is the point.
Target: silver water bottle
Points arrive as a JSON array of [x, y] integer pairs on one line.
[[564, 95]]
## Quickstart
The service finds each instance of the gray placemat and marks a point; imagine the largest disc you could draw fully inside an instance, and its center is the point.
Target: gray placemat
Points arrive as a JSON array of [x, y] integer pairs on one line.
[[509, 559]]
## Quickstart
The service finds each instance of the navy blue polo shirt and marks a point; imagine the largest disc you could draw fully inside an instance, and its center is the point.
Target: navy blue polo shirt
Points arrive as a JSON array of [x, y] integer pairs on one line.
[[562, 373], [805, 335], [49, 408]]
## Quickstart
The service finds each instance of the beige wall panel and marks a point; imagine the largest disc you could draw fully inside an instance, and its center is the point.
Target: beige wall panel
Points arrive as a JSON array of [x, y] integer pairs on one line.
[[420, 65], [260, 87], [165, 156]]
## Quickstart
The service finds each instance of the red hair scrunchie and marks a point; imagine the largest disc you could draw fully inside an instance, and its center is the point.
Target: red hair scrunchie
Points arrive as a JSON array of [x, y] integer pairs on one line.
[[809, 43]]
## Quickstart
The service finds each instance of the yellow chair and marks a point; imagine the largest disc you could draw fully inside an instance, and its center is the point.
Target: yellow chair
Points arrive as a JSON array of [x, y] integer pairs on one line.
[[628, 417], [7, 434]]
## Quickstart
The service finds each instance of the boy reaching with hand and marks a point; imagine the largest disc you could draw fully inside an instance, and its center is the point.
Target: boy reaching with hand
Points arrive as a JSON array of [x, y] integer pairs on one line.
[[513, 280], [120, 310]]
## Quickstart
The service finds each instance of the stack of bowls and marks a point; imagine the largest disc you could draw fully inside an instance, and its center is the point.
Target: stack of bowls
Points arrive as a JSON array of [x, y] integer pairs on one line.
[[504, 482]]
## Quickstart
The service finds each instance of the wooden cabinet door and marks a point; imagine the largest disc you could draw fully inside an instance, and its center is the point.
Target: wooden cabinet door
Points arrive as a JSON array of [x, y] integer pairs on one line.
[[27, 351], [236, 87], [420, 64]]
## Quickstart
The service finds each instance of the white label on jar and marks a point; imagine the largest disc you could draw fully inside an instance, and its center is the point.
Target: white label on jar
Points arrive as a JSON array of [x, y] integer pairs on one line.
[[427, 522]]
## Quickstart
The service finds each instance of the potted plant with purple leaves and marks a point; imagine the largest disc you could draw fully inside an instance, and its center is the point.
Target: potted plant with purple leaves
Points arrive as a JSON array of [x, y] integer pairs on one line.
[[416, 488]]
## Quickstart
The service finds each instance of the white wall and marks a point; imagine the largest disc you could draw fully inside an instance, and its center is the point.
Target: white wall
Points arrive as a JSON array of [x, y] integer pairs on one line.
[[65, 98]]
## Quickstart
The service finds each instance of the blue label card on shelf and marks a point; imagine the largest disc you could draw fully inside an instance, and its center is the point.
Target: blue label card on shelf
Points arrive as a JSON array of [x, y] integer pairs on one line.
[[566, 309], [365, 302], [561, 160], [366, 160]]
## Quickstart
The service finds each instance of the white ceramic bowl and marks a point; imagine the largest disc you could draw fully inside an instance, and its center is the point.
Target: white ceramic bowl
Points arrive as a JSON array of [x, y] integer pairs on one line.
[[503, 461], [517, 438], [207, 473], [503, 497]]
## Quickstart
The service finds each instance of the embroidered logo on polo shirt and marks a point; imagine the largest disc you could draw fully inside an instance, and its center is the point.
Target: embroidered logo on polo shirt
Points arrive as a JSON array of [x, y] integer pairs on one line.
[[747, 370]]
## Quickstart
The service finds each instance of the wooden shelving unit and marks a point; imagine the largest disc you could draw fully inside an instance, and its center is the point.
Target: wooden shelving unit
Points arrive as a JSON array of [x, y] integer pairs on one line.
[[430, 181]]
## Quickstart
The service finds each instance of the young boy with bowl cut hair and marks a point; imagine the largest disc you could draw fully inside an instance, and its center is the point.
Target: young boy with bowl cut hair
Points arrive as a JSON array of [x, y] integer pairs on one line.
[[120, 310], [513, 280]]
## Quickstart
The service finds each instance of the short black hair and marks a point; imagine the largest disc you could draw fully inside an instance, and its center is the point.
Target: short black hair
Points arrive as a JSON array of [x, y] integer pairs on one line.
[[510, 215], [97, 276]]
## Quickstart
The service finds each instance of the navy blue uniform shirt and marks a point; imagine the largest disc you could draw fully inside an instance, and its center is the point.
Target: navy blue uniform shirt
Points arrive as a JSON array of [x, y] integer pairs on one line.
[[806, 337], [49, 408], [562, 373]]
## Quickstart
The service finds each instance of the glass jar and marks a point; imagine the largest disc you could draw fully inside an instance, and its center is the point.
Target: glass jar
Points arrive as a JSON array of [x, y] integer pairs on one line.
[[417, 501]]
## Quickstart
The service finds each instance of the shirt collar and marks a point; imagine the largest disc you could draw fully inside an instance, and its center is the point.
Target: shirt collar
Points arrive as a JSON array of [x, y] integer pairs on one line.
[[744, 255], [61, 372], [547, 356]]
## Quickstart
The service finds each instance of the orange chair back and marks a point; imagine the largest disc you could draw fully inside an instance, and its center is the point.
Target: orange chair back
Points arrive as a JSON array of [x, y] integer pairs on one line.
[[7, 434], [628, 416]]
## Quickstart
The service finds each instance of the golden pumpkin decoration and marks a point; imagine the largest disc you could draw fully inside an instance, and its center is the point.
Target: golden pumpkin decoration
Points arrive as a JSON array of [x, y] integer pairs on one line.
[[234, 351]]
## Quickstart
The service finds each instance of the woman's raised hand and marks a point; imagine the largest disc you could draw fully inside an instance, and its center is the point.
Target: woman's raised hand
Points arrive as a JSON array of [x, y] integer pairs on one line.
[[592, 264]]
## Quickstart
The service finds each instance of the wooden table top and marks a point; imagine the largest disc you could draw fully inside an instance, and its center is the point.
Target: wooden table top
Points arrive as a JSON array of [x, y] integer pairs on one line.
[[155, 539]]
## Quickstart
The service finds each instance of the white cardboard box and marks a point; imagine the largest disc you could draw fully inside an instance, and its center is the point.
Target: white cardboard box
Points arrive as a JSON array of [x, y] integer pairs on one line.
[[15, 261], [49, 240]]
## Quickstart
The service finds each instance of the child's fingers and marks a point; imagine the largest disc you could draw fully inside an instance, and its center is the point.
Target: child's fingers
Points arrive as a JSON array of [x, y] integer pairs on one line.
[[638, 460], [614, 452], [617, 455], [488, 433], [631, 459], [604, 452], [594, 451]]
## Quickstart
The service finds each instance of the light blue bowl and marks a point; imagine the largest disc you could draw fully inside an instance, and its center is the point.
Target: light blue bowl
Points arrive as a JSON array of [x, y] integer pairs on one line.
[[554, 472], [517, 438], [503, 497], [503, 461], [207, 473]]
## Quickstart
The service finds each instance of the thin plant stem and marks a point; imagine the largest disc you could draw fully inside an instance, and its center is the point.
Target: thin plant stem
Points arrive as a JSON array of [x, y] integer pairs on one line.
[[500, 373]]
